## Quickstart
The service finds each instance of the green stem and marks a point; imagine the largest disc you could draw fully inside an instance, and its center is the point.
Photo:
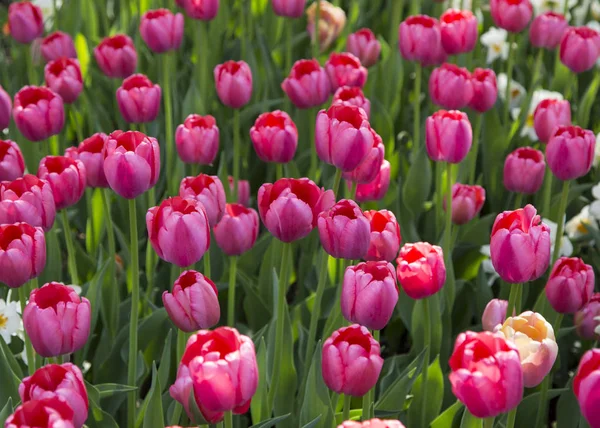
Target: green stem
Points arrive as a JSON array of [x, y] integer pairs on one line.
[[562, 207], [231, 292], [288, 43], [514, 299], [111, 265], [133, 323], [207, 263], [427, 344], [236, 152], [475, 150], [518, 201], [417, 105], [316, 45], [448, 227], [312, 119], [278, 171], [488, 422], [228, 419], [70, 249], [415, 6], [150, 255], [509, 73], [337, 178], [439, 198], [347, 406], [512, 416], [316, 312], [23, 296], [547, 193], [31, 72], [352, 194], [167, 97], [243, 28]]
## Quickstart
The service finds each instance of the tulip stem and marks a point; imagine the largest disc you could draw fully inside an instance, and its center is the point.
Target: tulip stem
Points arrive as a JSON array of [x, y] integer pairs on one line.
[[475, 150], [512, 416], [23, 296], [278, 171], [448, 228], [439, 198], [316, 33], [113, 320], [347, 407], [171, 179], [288, 42], [231, 291], [518, 200], [547, 193], [70, 248], [236, 152], [417, 106], [316, 312], [150, 257], [207, 263], [427, 344], [228, 419], [312, 119], [488, 422], [509, 73], [336, 182], [133, 322], [564, 199], [514, 299]]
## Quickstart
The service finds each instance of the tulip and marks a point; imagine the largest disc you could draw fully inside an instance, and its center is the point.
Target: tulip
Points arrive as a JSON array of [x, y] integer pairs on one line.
[[458, 31], [5, 109], [204, 10], [197, 139], [547, 29], [275, 137], [67, 178], [344, 69], [369, 294], [48, 412], [385, 236], [243, 191], [178, 230], [586, 319], [570, 285], [307, 85], [289, 208], [511, 15], [332, 20], [448, 136], [63, 76], [420, 40], [27, 199], [131, 163], [421, 270], [57, 320], [209, 191], [233, 80], [450, 86], [494, 314], [38, 112], [138, 99], [55, 380], [25, 21], [467, 201], [485, 89], [193, 303], [520, 245], [116, 56], [12, 164], [237, 231], [352, 95], [162, 30], [368, 169], [343, 136], [580, 48], [486, 374], [220, 368], [376, 189], [548, 115], [58, 45], [89, 152], [364, 45], [351, 361], [344, 231], [570, 152], [524, 170], [372, 423], [22, 253], [586, 384], [288, 8]]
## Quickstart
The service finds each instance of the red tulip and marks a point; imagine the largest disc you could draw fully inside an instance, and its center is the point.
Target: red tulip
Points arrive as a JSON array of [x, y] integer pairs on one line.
[[385, 236], [90, 152], [51, 412], [57, 45], [421, 270], [25, 21], [22, 253], [467, 201], [524, 170], [458, 31], [307, 85], [233, 81], [237, 231], [197, 139], [586, 384], [27, 199], [162, 30], [580, 48], [372, 423], [38, 113], [275, 137], [209, 191], [67, 178], [116, 56], [63, 76], [376, 189], [344, 69], [138, 99], [352, 95], [12, 164]]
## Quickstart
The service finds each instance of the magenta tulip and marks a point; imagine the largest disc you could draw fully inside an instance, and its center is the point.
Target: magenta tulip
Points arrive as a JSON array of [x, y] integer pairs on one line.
[[372, 423], [485, 89], [549, 114], [5, 109], [275, 137], [138, 99], [547, 30], [12, 164], [570, 152], [344, 231], [67, 178], [197, 139], [51, 412], [467, 201], [233, 81], [116, 56], [344, 69], [288, 8], [22, 253], [587, 319], [204, 10], [90, 153], [420, 39], [450, 86], [458, 31], [162, 30], [364, 45], [570, 285], [586, 384], [38, 113], [368, 169], [494, 314], [209, 191], [385, 236], [352, 95], [580, 48], [421, 270], [448, 136], [27, 199], [307, 85], [25, 21], [512, 15], [524, 170], [63, 76], [58, 45], [376, 189], [237, 231]]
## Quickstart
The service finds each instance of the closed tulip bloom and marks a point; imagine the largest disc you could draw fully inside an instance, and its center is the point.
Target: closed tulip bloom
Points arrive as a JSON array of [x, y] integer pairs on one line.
[[307, 85], [288, 8], [193, 302], [63, 76], [12, 164], [237, 231], [90, 153], [5, 109], [332, 20], [549, 114], [450, 86], [243, 191], [55, 380], [458, 31], [58, 45], [486, 374], [421, 270], [372, 423], [524, 170], [233, 80], [344, 231], [290, 207], [178, 230], [197, 139], [131, 163], [344, 69], [48, 412], [162, 30], [116, 56], [376, 189], [67, 178], [364, 45], [467, 201], [586, 384], [343, 136], [25, 21], [27, 199], [448, 136], [57, 320], [420, 39], [368, 169], [352, 95], [385, 236], [22, 253], [586, 319], [209, 191], [494, 314], [38, 113], [547, 29], [369, 294], [570, 152], [204, 10], [275, 137], [520, 245], [138, 99], [580, 48], [485, 89], [570, 285], [351, 361], [512, 15]]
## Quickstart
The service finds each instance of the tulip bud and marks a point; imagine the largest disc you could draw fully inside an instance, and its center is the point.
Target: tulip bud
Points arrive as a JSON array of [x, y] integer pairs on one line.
[[586, 319], [585, 386], [549, 114], [450, 86], [421, 270], [67, 179], [243, 191], [346, 353], [485, 89], [90, 154], [58, 45], [12, 164], [234, 83], [307, 85], [204, 10], [288, 8], [344, 231], [486, 374], [57, 320], [570, 152], [275, 137], [25, 21], [547, 29], [524, 170], [38, 112], [467, 201], [63, 76], [494, 314], [344, 69], [54, 412], [420, 39], [458, 31], [372, 423], [385, 236], [209, 191], [352, 95], [512, 15], [364, 45], [332, 20], [162, 30], [197, 139], [27, 199], [5, 109], [22, 253], [138, 99], [368, 169], [116, 56], [580, 48], [376, 189], [570, 285], [237, 231], [448, 136], [193, 303]]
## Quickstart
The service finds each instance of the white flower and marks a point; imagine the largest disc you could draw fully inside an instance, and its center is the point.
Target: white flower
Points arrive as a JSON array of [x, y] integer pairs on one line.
[[541, 6], [597, 329], [85, 367], [580, 13], [10, 320], [595, 10], [577, 226], [540, 95], [456, 4], [48, 11], [517, 91], [487, 265], [76, 288], [566, 247], [597, 151], [495, 40]]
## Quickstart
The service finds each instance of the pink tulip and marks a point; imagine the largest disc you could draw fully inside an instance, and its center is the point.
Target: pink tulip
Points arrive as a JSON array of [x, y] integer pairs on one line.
[[5, 109], [131, 163], [421, 270], [193, 303], [178, 230], [376, 189], [243, 191], [12, 164], [586, 319], [67, 178], [25, 21], [486, 374], [364, 45], [63, 76], [344, 231], [467, 201], [448, 136], [494, 314], [344, 69], [547, 29], [385, 236], [89, 152], [51, 412], [204, 10], [352, 95], [570, 152], [458, 31], [22, 253], [368, 169], [524, 170], [580, 48], [116, 56], [586, 384], [450, 86], [27, 199], [138, 99], [520, 245], [307, 85], [290, 207], [420, 39], [332, 20], [372, 423], [351, 361], [197, 139], [57, 320], [38, 112], [237, 231], [549, 114], [485, 89], [162, 30], [288, 8], [570, 285], [58, 45], [275, 137], [512, 15], [233, 81], [209, 191]]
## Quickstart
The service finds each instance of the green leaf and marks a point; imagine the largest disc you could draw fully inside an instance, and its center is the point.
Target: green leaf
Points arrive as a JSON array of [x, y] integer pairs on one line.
[[585, 106], [83, 53], [394, 397], [165, 362], [9, 380], [109, 389], [316, 396], [417, 185], [95, 220], [6, 411], [271, 422], [12, 361], [449, 418], [435, 323], [259, 404], [97, 418], [313, 423], [433, 402], [470, 421], [530, 406], [567, 409], [153, 412]]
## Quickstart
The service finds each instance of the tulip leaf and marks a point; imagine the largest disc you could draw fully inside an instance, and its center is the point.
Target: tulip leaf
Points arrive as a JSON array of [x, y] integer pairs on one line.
[[470, 421], [431, 404], [53, 269], [417, 185], [95, 220], [259, 404], [6, 411], [567, 409], [12, 361], [269, 423], [83, 54], [314, 423], [449, 417], [109, 389], [316, 396], [9, 380], [165, 361], [585, 106], [152, 407], [97, 418], [435, 323], [530, 406]]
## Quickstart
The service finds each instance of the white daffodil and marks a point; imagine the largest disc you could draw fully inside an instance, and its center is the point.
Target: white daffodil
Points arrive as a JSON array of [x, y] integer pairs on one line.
[[10, 320], [517, 91], [77, 288], [487, 265], [595, 10], [47, 7], [566, 247], [540, 95], [459, 4], [542, 6], [496, 42], [595, 205], [597, 151], [578, 225]]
